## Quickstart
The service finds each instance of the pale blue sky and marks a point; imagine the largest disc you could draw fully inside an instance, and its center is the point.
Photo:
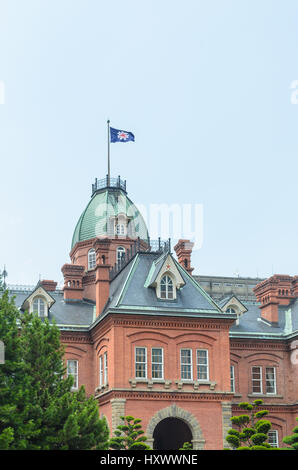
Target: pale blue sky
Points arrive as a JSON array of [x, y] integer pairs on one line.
[[205, 87]]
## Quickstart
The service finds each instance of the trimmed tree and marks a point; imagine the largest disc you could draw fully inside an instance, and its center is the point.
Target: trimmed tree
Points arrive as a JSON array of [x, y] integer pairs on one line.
[[38, 409], [186, 446], [292, 440], [129, 435], [252, 432]]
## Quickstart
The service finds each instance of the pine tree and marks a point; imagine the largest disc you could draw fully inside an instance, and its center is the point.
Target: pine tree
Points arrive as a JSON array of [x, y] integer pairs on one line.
[[186, 446], [292, 440], [38, 409], [252, 432], [129, 435]]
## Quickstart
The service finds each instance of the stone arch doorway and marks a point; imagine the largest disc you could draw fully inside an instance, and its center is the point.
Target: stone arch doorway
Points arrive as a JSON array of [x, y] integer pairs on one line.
[[170, 434], [186, 417]]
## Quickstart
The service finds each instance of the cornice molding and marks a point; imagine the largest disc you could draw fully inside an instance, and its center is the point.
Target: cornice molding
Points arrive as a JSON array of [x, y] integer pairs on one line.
[[73, 337], [160, 395], [257, 344], [174, 322]]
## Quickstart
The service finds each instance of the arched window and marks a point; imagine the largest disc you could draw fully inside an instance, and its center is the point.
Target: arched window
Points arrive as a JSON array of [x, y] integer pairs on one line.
[[230, 310], [166, 288], [120, 254], [39, 306], [91, 259]]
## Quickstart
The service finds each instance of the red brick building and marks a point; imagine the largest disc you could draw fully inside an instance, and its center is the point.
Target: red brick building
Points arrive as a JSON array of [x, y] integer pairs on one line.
[[147, 340]]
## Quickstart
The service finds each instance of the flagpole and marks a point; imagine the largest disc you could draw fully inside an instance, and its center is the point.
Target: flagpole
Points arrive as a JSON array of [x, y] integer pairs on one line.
[[108, 122]]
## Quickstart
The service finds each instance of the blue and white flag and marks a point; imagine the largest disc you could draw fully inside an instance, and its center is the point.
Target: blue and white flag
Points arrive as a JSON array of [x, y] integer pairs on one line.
[[118, 135]]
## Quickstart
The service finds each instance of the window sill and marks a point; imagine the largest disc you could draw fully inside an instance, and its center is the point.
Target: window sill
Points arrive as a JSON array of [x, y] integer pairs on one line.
[[149, 382], [264, 395], [196, 384], [102, 388]]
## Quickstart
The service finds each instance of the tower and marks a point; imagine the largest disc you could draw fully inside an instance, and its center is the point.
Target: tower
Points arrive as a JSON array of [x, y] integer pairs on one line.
[[105, 236]]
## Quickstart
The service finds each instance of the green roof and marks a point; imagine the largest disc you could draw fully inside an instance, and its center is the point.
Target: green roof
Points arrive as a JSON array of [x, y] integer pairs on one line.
[[98, 219]]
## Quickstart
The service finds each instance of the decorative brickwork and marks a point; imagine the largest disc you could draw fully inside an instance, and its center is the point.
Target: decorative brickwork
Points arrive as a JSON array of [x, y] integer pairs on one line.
[[174, 411]]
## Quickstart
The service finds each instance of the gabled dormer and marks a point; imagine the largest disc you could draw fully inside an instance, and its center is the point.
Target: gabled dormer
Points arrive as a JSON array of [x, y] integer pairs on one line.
[[39, 301], [165, 277], [233, 305]]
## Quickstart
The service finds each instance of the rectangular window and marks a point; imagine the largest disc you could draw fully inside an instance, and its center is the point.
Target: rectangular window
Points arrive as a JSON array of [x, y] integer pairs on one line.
[[100, 371], [141, 363], [72, 369], [270, 380], [273, 438], [157, 363], [105, 368], [186, 364], [257, 380], [232, 369], [202, 364]]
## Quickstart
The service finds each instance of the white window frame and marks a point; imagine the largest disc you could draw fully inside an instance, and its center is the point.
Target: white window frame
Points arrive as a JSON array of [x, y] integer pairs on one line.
[[120, 249], [186, 364], [230, 310], [105, 368], [274, 379], [202, 365], [260, 380], [273, 438], [100, 371], [40, 301], [157, 363], [139, 362], [75, 375], [168, 282], [91, 259], [232, 375], [120, 229]]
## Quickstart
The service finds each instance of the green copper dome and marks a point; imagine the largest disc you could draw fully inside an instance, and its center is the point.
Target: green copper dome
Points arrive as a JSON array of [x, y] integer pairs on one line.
[[110, 212]]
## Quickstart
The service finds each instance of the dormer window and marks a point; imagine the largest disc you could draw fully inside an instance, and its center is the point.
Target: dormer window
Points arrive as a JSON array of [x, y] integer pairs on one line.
[[230, 310], [120, 229], [91, 259], [166, 288], [39, 306]]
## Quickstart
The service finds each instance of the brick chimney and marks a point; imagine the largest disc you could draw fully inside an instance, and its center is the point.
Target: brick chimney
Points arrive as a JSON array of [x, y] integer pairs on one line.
[[274, 291], [73, 278], [183, 251], [102, 249], [49, 285]]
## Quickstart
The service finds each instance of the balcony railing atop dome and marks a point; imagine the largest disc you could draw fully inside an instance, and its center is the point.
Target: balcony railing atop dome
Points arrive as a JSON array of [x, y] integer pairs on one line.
[[154, 246], [107, 182]]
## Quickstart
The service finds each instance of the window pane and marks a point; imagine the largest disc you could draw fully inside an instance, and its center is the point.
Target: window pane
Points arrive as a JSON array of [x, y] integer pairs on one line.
[[72, 369], [100, 371], [105, 363], [273, 438], [140, 371], [202, 364], [141, 362], [140, 354], [186, 364], [156, 371], [270, 380], [157, 363], [232, 371], [166, 288], [156, 355], [91, 259], [41, 307], [256, 380]]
